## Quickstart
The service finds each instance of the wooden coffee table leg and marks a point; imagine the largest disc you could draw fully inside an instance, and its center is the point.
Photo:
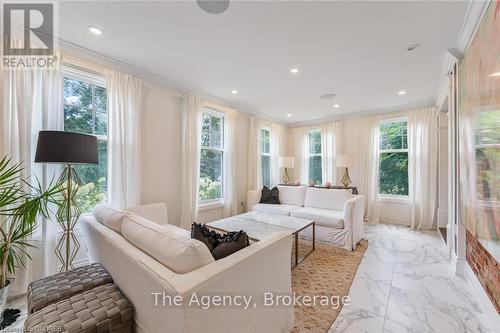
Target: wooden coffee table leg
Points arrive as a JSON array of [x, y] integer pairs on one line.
[[296, 248], [314, 236]]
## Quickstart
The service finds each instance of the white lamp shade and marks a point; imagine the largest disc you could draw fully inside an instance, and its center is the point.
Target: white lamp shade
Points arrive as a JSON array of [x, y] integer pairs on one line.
[[285, 162], [345, 160]]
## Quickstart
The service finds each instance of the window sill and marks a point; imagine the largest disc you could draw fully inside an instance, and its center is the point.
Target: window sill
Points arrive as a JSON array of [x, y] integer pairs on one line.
[[401, 199], [209, 205]]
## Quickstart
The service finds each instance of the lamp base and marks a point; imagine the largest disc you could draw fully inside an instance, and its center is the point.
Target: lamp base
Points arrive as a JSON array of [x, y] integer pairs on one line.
[[67, 215], [285, 180], [346, 180]]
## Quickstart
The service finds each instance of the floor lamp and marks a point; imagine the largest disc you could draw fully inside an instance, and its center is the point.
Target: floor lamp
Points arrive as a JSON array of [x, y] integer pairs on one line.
[[69, 149]]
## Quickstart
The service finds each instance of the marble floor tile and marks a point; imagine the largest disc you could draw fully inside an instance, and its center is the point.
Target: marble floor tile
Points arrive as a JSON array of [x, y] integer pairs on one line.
[[357, 321], [409, 270]]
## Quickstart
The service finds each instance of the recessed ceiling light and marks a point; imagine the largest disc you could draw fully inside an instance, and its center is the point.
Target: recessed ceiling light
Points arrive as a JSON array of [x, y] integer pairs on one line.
[[495, 74], [289, 115], [95, 30], [412, 47], [234, 91], [336, 105], [401, 92], [294, 70], [327, 96]]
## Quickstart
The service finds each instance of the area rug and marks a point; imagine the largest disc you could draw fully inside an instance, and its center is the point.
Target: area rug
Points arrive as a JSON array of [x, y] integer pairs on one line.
[[328, 272]]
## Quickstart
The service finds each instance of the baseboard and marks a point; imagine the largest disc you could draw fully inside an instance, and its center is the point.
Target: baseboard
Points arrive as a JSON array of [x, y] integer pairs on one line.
[[482, 298]]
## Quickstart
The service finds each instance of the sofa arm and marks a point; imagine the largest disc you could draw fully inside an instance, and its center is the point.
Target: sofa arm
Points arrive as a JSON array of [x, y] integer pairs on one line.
[[156, 212], [353, 218], [253, 198]]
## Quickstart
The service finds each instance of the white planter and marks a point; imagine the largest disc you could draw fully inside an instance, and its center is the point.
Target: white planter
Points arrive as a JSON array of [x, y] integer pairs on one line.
[[4, 292]]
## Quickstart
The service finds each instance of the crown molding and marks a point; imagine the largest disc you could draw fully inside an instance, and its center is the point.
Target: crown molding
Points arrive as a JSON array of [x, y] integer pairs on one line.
[[181, 89], [389, 110]]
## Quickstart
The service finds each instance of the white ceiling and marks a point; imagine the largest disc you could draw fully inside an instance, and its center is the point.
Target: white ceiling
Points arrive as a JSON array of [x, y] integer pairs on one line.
[[356, 50]]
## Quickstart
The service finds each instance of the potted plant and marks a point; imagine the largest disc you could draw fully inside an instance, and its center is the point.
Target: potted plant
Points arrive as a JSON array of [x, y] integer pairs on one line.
[[21, 204]]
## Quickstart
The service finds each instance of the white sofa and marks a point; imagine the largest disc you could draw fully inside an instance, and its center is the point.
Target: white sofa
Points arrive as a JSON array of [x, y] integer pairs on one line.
[[150, 256], [337, 212]]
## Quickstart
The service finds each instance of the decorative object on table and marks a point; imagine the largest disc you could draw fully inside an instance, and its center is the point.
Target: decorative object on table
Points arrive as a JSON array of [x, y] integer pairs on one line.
[[312, 183], [328, 184], [55, 288], [9, 317], [285, 162], [270, 196], [101, 309], [67, 148], [21, 204], [345, 161], [220, 245]]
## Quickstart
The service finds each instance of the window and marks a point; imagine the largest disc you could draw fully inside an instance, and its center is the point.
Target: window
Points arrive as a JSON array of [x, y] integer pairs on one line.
[[315, 169], [212, 156], [86, 111], [393, 173], [265, 156]]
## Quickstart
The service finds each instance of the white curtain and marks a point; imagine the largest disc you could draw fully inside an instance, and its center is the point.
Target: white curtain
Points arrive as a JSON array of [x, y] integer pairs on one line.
[[192, 112], [422, 166], [230, 163], [124, 157], [276, 137], [331, 146], [300, 154], [31, 100], [254, 169], [369, 164]]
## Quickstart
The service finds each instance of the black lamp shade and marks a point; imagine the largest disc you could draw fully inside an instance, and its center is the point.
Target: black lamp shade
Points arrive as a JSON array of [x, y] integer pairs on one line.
[[66, 147]]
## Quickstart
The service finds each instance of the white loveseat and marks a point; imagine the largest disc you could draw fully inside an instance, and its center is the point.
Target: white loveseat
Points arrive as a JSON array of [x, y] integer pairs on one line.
[[146, 257], [337, 212]]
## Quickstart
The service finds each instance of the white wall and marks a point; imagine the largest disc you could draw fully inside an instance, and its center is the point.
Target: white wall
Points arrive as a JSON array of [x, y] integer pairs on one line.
[[161, 144]]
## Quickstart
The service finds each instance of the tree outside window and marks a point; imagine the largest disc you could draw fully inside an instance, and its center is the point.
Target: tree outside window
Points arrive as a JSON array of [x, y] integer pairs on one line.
[[86, 111], [315, 156], [393, 172], [265, 155], [211, 156]]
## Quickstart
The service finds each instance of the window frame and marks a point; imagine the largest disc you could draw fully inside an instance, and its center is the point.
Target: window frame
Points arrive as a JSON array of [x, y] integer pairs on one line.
[[309, 154], [268, 129], [96, 80], [385, 196], [211, 203]]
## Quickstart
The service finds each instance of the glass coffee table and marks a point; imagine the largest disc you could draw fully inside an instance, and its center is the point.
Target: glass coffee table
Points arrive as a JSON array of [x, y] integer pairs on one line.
[[260, 225]]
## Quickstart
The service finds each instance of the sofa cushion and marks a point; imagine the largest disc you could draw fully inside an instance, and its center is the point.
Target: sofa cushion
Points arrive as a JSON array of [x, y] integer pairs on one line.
[[327, 198], [324, 217], [274, 209], [156, 212], [292, 195], [270, 196], [172, 246], [110, 217], [230, 243]]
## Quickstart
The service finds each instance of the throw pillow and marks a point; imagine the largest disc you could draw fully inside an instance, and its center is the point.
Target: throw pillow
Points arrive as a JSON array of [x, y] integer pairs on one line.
[[270, 196], [231, 243], [205, 235], [220, 246]]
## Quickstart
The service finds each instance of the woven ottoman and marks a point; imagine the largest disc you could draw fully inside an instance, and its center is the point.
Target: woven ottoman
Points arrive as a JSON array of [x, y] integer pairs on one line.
[[58, 287], [100, 310]]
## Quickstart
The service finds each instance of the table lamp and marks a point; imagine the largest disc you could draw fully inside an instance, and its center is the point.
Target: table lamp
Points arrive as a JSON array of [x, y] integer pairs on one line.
[[345, 161], [285, 162], [67, 148]]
